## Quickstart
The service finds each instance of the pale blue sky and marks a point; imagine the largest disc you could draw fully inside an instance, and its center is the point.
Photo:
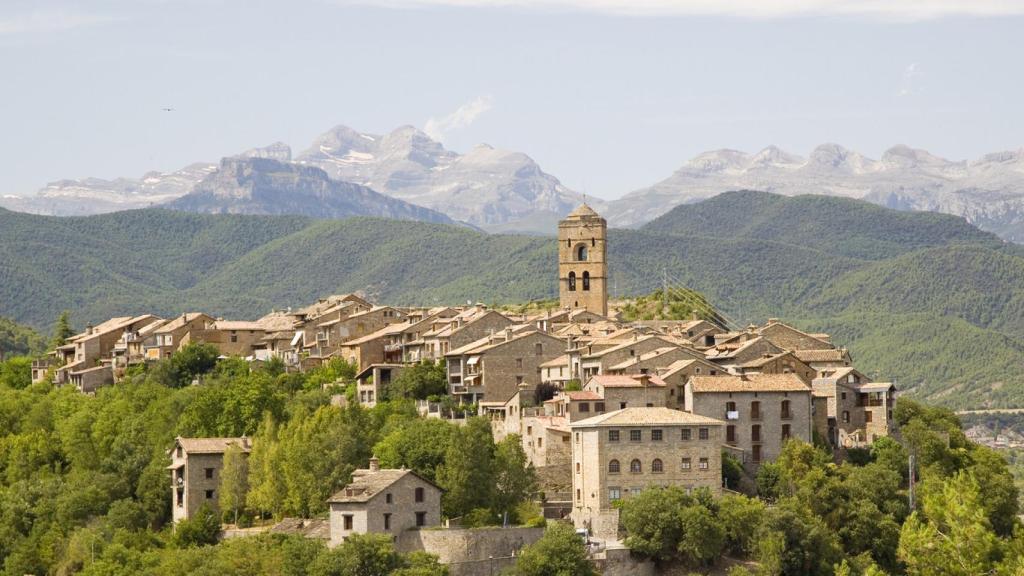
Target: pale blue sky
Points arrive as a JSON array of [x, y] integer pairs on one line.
[[608, 96]]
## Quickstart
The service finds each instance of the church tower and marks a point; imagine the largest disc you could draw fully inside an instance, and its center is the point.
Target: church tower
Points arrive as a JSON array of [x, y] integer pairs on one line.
[[582, 263]]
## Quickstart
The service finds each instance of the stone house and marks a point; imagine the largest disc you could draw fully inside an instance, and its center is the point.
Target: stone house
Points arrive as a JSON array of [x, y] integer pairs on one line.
[[600, 361], [373, 382], [196, 465], [824, 360], [676, 374], [492, 368], [761, 411], [629, 390], [87, 358], [556, 371], [781, 363], [740, 350], [170, 337], [789, 338], [618, 454], [465, 328], [858, 410], [383, 501]]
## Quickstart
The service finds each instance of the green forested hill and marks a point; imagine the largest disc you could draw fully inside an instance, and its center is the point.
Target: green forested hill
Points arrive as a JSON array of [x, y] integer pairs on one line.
[[923, 298], [17, 340]]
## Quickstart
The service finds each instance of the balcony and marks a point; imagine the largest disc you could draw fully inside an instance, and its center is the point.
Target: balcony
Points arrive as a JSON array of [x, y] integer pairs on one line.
[[732, 415]]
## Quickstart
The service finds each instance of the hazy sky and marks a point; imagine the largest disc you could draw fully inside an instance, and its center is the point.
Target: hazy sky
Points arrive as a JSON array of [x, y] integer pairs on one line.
[[607, 95]]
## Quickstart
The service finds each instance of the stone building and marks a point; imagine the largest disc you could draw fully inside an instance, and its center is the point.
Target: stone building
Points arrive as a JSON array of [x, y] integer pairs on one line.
[[858, 410], [492, 368], [761, 411], [372, 383], [384, 501], [196, 464], [620, 453], [582, 262]]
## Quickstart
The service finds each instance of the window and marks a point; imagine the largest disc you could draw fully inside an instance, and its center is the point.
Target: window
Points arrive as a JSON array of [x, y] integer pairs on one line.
[[209, 494], [636, 491], [785, 410], [578, 467], [785, 431], [613, 467], [540, 442], [730, 406], [656, 466], [584, 406], [846, 416], [234, 337], [730, 434], [843, 395], [686, 434], [419, 494], [614, 494], [581, 253], [519, 380], [703, 464], [421, 519], [867, 416], [634, 436], [613, 435], [755, 433], [387, 521], [686, 463], [519, 363], [635, 467], [599, 407], [756, 450], [538, 350], [347, 521], [702, 433], [178, 452], [578, 498], [586, 280], [656, 435], [755, 410], [387, 498], [572, 281], [209, 473]]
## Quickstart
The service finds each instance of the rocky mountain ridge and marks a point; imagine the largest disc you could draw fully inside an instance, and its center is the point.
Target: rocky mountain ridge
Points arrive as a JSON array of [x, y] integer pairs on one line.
[[988, 191]]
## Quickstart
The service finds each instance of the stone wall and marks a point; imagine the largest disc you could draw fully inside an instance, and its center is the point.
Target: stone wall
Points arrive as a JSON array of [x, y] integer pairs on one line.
[[473, 551]]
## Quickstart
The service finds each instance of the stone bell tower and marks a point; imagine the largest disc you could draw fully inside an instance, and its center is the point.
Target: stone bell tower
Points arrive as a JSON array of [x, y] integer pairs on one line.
[[582, 263]]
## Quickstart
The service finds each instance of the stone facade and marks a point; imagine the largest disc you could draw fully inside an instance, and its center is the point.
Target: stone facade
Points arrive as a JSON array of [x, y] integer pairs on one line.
[[623, 452], [470, 552], [383, 501], [582, 261], [196, 465], [760, 411], [493, 368]]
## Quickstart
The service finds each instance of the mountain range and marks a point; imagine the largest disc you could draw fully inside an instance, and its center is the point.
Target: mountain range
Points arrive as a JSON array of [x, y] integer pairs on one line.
[[487, 187], [988, 192], [924, 298]]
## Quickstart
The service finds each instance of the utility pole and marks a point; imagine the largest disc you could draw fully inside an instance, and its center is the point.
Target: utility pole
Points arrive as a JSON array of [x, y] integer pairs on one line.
[[664, 293]]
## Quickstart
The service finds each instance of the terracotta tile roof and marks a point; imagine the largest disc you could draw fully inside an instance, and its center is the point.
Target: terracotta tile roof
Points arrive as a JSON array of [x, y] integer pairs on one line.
[[625, 380], [646, 417], [182, 320], [583, 395], [651, 356], [759, 362], [562, 360], [238, 325], [366, 484], [678, 365], [750, 383]]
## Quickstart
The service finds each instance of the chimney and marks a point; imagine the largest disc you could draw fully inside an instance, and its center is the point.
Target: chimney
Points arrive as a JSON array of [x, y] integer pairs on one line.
[[508, 334], [374, 464], [88, 329], [644, 379]]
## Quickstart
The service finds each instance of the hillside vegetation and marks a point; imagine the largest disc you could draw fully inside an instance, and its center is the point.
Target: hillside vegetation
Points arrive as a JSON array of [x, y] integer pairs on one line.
[[923, 298], [18, 340]]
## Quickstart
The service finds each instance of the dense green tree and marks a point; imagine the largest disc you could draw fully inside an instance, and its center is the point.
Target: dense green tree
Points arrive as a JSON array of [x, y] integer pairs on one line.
[[420, 445], [420, 381], [199, 530], [559, 552], [62, 330], [359, 555], [16, 372], [514, 478], [740, 516], [951, 535], [467, 475], [234, 481], [791, 541]]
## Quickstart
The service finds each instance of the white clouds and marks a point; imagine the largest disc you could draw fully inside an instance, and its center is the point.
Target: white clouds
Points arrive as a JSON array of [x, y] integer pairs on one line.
[[53, 20], [438, 128], [888, 9], [908, 85]]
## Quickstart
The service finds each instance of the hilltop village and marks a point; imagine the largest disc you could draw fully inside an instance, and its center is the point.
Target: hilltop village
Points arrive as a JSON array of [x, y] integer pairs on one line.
[[603, 408]]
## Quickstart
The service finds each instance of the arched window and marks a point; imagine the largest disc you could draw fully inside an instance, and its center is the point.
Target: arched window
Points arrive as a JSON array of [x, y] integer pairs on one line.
[[572, 281], [581, 253], [613, 467], [635, 467], [656, 466], [586, 280]]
